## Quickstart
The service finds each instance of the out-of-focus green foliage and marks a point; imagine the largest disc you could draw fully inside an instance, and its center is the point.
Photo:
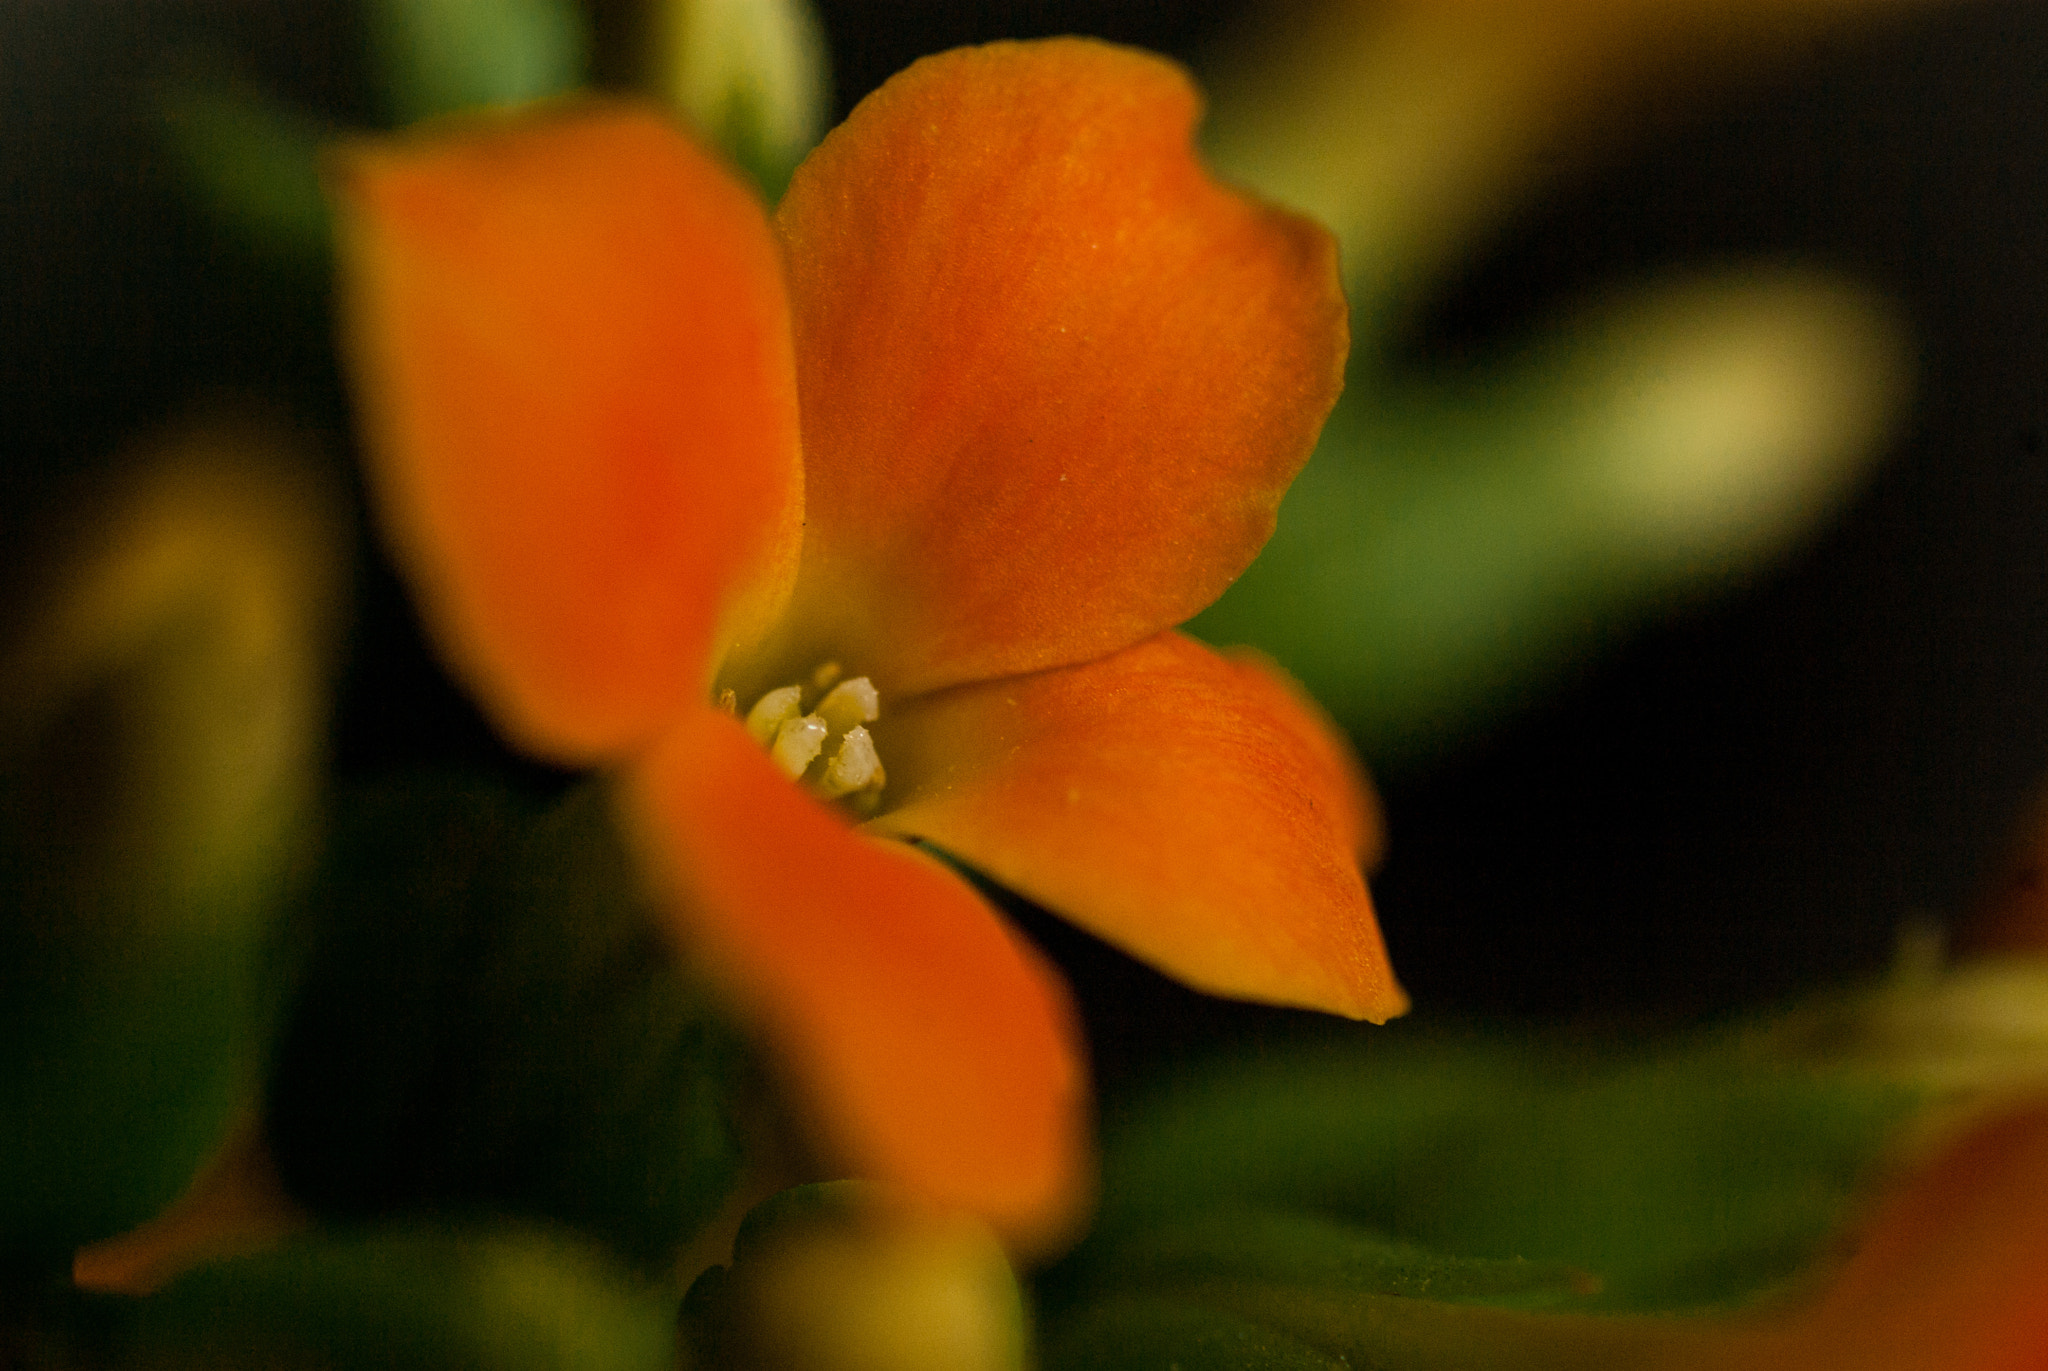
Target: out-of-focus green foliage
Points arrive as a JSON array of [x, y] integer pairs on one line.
[[500, 1298], [254, 161], [161, 702], [1253, 1328], [1126, 1332], [749, 75], [438, 56], [254, 165], [1395, 1205], [1458, 542], [491, 1022], [1279, 1329], [1300, 1249], [1979, 1027], [1681, 1179], [1462, 541]]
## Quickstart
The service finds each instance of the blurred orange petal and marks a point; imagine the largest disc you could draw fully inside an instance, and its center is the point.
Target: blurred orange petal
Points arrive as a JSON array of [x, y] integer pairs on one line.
[[1055, 378], [570, 344], [935, 1043], [2012, 917], [1950, 1274], [1192, 808], [1953, 1270]]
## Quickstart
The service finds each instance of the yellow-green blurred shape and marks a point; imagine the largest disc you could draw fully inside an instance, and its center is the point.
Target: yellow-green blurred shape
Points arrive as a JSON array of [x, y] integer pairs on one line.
[[483, 1297], [434, 56], [1976, 1032], [162, 710], [1409, 126], [1464, 539], [750, 74], [1460, 540], [843, 1277], [1722, 415]]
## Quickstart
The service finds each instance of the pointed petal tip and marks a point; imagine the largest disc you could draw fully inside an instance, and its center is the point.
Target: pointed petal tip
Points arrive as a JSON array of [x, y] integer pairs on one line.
[[1186, 806], [1382, 1003]]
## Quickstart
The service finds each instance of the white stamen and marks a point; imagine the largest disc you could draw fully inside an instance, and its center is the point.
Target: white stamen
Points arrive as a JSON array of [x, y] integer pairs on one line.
[[851, 704], [854, 767], [771, 712], [798, 743], [852, 772]]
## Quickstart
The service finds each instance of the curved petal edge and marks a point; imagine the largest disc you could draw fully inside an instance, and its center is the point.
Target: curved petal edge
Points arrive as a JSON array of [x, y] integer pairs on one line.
[[568, 335], [1193, 808], [1055, 378], [936, 1048]]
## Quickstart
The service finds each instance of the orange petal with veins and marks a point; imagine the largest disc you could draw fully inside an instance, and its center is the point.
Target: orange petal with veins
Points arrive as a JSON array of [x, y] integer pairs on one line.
[[569, 340], [1055, 379], [940, 1053], [1190, 807]]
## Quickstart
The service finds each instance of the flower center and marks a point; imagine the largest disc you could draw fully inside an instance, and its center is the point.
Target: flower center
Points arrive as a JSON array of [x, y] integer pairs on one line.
[[826, 747]]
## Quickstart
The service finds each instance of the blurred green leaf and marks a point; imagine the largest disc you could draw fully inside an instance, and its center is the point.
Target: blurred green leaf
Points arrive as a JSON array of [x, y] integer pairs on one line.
[[161, 697], [437, 56], [254, 164], [1226, 1244], [118, 1076], [492, 1022], [1150, 1332], [1387, 1204], [1687, 1179], [1460, 541], [1252, 1328], [491, 1299]]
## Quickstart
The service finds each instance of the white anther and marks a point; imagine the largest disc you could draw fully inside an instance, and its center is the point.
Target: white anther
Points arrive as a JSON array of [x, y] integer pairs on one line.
[[771, 712], [854, 767], [795, 740], [798, 743], [850, 704]]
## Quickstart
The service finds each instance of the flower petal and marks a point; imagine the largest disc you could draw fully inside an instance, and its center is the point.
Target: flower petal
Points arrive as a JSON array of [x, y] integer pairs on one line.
[[1054, 378], [570, 341], [1192, 808], [940, 1052]]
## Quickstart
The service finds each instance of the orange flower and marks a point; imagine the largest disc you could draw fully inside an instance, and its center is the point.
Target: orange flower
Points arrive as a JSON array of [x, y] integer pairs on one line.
[[1006, 390]]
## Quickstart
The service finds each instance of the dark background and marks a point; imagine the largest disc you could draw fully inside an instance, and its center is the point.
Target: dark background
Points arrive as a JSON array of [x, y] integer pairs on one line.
[[1744, 800]]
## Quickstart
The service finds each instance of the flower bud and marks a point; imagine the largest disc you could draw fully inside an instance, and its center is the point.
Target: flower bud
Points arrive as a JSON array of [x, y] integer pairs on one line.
[[843, 1277]]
